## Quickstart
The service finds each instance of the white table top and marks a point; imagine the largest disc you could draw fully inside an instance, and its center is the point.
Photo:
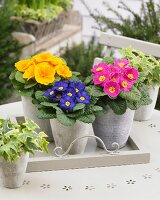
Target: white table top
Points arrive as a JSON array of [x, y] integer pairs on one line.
[[141, 182]]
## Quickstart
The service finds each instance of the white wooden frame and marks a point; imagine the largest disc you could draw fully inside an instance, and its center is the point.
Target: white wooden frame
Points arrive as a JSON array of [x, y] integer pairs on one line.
[[116, 41]]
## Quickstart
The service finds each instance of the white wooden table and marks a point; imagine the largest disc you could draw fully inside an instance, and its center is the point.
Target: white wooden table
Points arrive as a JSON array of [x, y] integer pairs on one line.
[[141, 182]]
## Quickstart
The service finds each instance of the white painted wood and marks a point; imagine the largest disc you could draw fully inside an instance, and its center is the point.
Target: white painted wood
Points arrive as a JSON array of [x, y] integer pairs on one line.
[[117, 41]]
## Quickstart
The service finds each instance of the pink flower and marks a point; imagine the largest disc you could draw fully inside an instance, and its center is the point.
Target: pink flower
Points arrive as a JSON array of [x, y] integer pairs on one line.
[[131, 74], [99, 68], [112, 88], [115, 77], [100, 78], [125, 85], [121, 63]]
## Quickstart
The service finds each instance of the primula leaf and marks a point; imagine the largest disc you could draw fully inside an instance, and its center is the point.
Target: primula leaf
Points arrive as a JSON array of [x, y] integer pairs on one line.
[[118, 106], [108, 60], [12, 75], [28, 92], [134, 95], [48, 104], [88, 80], [29, 85], [79, 106], [63, 119], [87, 118], [40, 96], [45, 114], [97, 91], [19, 77]]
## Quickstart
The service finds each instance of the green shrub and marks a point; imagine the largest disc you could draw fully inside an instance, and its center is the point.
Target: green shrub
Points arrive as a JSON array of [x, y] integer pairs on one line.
[[80, 57], [9, 52]]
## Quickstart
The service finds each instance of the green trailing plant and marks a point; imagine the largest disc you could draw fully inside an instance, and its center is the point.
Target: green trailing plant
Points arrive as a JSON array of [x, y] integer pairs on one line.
[[144, 26], [112, 86], [16, 139], [10, 51], [80, 57], [147, 65]]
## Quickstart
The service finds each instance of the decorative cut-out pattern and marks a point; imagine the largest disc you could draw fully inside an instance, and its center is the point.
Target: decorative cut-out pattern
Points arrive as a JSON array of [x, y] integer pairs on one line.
[[25, 182], [89, 187], [157, 169], [67, 188], [112, 185], [147, 176], [45, 186], [130, 182], [152, 125]]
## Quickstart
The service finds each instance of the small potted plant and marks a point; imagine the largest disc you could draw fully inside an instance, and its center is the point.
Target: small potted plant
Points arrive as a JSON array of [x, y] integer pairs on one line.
[[16, 142], [71, 109], [149, 67], [116, 84], [37, 73]]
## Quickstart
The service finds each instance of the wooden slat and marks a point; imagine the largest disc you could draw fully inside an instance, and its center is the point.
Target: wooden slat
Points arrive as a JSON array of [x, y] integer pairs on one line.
[[124, 42]]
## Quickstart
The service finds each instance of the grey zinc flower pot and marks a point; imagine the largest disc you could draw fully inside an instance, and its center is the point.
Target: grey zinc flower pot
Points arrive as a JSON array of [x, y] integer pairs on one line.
[[145, 112], [113, 128], [30, 111], [64, 135], [13, 172]]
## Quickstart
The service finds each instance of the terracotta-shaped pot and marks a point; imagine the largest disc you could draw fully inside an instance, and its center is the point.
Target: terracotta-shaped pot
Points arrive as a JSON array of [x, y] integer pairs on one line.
[[64, 135], [13, 172], [145, 112], [30, 111], [112, 128]]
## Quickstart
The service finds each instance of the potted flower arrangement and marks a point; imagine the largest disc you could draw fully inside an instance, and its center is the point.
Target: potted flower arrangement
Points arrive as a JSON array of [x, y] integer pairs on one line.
[[149, 67], [119, 91], [71, 108], [16, 142], [37, 73], [41, 18]]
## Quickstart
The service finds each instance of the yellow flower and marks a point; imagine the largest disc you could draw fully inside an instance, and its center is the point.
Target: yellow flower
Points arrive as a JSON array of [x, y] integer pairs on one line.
[[44, 73], [29, 73], [22, 65], [64, 71], [57, 61], [43, 57]]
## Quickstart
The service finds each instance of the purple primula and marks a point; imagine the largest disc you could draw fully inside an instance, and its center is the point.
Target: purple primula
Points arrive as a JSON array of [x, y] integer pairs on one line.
[[50, 93], [83, 97], [61, 86], [67, 94], [67, 104], [78, 86]]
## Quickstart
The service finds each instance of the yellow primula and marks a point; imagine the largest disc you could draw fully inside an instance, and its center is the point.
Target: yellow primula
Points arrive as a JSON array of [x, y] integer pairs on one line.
[[22, 65], [44, 73], [29, 73], [43, 57], [64, 71]]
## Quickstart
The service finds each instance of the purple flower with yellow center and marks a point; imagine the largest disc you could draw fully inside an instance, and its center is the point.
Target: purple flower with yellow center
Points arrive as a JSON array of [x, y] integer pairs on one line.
[[83, 97], [112, 88], [61, 86], [57, 97], [70, 92], [131, 74], [50, 93], [121, 63], [78, 86], [67, 103]]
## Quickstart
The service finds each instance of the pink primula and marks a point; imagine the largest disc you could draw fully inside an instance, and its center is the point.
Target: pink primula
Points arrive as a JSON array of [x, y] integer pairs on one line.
[[131, 74], [99, 68], [115, 77], [121, 63], [125, 85], [100, 78], [112, 89]]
